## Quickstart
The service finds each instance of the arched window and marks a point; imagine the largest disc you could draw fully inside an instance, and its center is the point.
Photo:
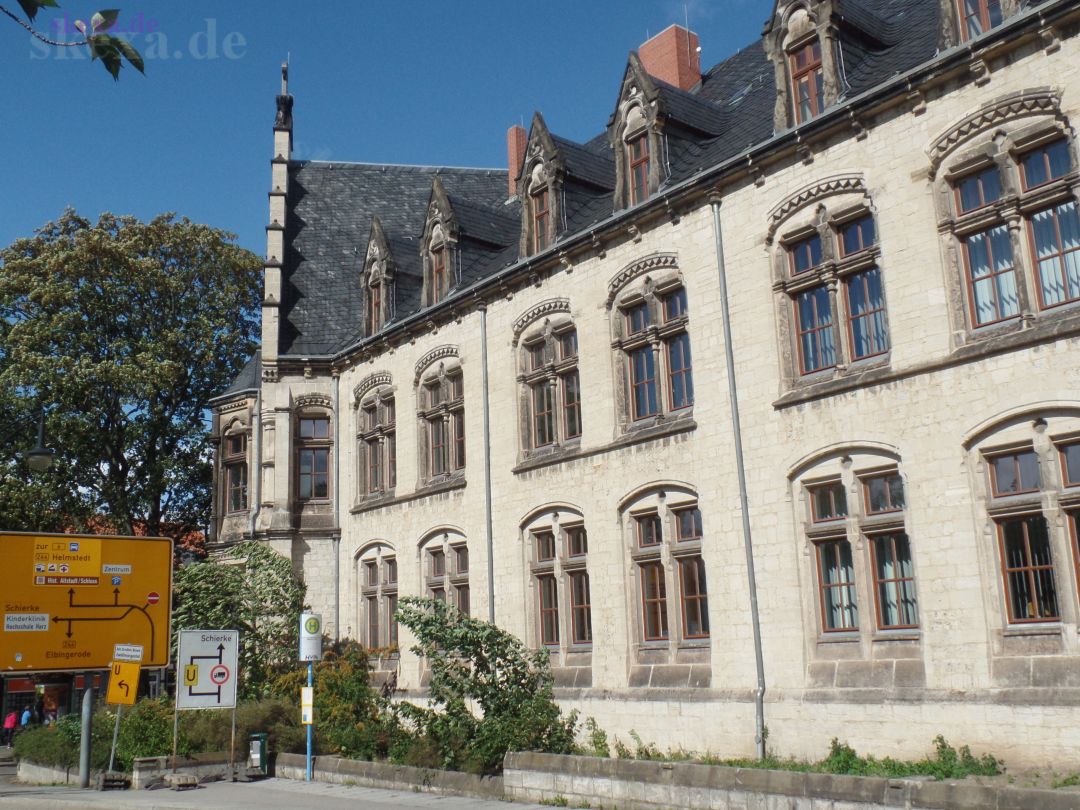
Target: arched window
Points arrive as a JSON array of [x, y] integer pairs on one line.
[[234, 464], [377, 573], [440, 398], [376, 434], [444, 560], [807, 79], [557, 547], [551, 387], [650, 321]]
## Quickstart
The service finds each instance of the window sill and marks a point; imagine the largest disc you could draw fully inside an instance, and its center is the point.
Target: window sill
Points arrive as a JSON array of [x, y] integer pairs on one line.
[[896, 635], [980, 344], [841, 637], [1050, 628], [668, 427], [420, 492]]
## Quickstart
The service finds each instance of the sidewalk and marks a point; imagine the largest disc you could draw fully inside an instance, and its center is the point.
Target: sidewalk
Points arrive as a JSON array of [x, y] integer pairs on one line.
[[267, 794]]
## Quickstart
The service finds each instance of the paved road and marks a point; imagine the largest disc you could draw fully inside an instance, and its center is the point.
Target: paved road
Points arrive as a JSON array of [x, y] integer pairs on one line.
[[268, 794]]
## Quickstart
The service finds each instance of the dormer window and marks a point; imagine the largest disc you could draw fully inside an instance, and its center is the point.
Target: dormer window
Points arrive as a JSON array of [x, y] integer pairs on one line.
[[375, 320], [978, 16], [637, 151], [541, 219], [807, 81], [439, 279]]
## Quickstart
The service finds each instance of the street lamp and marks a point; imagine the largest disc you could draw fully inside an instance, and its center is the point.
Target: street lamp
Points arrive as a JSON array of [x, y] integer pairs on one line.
[[40, 458]]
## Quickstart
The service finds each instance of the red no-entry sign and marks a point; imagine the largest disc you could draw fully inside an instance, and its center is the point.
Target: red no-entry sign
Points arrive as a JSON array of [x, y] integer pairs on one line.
[[153, 597]]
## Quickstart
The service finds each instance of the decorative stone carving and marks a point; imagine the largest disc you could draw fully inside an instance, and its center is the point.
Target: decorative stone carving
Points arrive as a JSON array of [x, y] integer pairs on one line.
[[1041, 101], [548, 307], [438, 353], [312, 401], [656, 261], [837, 184], [372, 380]]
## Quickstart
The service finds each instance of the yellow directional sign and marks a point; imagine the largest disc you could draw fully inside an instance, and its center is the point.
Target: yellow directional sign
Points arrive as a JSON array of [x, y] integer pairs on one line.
[[123, 684], [76, 602]]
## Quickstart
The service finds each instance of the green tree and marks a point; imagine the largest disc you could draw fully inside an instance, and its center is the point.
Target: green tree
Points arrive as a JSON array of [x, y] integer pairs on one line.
[[111, 50], [124, 330], [252, 589]]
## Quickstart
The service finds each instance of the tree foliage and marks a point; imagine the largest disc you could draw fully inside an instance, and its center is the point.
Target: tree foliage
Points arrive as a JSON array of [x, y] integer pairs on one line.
[[123, 330], [476, 663], [111, 50], [252, 589]]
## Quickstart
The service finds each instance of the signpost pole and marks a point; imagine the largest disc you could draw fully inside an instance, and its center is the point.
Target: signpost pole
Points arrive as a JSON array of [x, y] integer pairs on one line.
[[232, 746], [175, 731], [87, 717], [310, 669], [115, 734]]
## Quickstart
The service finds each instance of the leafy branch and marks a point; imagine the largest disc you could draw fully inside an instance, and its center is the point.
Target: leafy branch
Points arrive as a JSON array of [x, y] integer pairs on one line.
[[111, 50]]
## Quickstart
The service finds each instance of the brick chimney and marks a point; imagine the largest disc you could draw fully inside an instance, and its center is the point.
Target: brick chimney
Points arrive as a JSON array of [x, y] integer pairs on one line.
[[516, 139], [672, 56]]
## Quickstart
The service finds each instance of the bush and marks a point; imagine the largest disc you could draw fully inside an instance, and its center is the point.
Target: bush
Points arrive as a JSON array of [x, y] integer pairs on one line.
[[475, 663], [58, 745], [211, 730], [146, 730]]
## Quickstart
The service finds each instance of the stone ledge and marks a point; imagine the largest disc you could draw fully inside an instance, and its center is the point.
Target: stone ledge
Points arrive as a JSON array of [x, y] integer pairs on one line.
[[635, 785], [340, 771]]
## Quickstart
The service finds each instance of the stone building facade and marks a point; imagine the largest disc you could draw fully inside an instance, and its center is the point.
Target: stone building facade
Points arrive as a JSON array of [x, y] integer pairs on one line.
[[819, 301]]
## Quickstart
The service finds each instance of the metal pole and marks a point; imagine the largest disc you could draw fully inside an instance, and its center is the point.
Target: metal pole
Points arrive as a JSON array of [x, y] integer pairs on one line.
[[487, 465], [310, 669], [232, 745], [115, 734], [744, 504], [175, 732], [87, 719], [337, 510]]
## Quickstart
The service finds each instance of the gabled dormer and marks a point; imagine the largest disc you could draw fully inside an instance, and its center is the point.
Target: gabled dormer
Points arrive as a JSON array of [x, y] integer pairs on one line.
[[801, 43], [539, 187], [439, 246], [378, 280], [635, 131]]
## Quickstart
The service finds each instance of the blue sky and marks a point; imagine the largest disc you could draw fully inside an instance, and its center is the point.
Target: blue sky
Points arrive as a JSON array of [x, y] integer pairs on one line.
[[398, 82]]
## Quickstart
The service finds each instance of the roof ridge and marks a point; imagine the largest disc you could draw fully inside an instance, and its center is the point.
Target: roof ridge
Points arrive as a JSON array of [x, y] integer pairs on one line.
[[419, 166]]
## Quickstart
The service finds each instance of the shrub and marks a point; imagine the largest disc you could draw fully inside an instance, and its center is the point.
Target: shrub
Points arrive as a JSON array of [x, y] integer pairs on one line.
[[476, 663], [146, 730]]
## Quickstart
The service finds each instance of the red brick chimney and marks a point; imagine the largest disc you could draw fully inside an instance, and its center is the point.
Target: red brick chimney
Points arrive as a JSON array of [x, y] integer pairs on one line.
[[516, 139], [673, 56]]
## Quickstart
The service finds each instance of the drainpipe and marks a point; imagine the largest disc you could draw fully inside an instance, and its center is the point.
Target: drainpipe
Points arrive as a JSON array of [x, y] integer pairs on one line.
[[733, 397], [487, 465], [337, 511], [256, 458]]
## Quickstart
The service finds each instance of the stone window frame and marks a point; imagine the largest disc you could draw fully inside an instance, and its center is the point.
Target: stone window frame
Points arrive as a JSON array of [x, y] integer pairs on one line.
[[814, 71], [669, 556], [450, 583], [637, 113], [314, 444], [378, 282], [235, 461], [659, 334], [806, 215], [997, 136], [376, 425], [954, 32], [542, 362], [1045, 429], [858, 532], [440, 396], [381, 594], [440, 238], [562, 572]]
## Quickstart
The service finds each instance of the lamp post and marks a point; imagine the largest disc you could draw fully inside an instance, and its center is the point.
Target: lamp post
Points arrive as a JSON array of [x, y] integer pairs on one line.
[[40, 458]]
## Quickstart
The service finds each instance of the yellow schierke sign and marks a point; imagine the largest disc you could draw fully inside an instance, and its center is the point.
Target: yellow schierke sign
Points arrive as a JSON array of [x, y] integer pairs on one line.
[[77, 602]]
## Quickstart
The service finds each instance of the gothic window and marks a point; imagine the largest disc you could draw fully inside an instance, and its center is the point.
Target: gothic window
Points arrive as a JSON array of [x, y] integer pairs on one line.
[[377, 443], [854, 524], [558, 550], [652, 339], [378, 576], [235, 464], [445, 560], [551, 387], [829, 271], [807, 80], [978, 16], [313, 444], [541, 211], [440, 277], [637, 158], [1013, 213], [441, 413]]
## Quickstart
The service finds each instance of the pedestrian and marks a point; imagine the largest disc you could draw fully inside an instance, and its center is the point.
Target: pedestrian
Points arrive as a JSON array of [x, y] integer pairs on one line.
[[9, 727], [26, 715], [39, 710]]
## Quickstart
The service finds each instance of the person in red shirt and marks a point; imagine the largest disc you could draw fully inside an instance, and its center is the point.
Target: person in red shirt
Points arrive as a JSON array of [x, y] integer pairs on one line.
[[9, 727]]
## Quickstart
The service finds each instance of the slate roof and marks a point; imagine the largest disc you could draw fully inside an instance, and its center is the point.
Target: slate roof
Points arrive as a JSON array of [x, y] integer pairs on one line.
[[331, 205], [246, 381]]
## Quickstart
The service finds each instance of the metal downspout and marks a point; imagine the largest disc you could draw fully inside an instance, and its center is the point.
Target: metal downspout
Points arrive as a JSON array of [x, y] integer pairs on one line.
[[733, 396], [487, 465], [256, 458], [337, 510]]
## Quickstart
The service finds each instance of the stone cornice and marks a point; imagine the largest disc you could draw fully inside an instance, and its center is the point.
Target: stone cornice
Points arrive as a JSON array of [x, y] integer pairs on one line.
[[312, 401], [372, 380]]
